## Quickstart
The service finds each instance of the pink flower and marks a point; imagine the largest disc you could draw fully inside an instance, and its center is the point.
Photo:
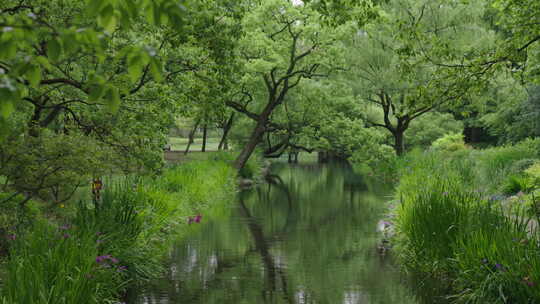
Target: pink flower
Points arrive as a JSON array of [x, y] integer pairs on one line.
[[198, 218]]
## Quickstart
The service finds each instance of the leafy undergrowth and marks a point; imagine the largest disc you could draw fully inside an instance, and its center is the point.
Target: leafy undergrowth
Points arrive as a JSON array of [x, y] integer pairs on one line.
[[455, 224], [93, 255]]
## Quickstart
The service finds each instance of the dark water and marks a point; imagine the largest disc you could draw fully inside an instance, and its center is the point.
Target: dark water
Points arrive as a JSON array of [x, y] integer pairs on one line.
[[309, 237]]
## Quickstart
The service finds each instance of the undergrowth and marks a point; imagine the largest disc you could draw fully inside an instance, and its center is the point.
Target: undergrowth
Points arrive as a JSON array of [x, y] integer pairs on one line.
[[455, 224], [92, 255]]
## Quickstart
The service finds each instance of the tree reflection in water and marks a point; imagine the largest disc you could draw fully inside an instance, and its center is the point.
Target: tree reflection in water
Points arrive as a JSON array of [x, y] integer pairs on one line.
[[306, 236]]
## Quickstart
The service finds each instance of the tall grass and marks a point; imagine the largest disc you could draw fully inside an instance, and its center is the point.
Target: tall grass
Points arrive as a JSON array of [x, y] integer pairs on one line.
[[450, 227], [117, 241], [497, 260], [54, 266], [494, 165], [432, 218]]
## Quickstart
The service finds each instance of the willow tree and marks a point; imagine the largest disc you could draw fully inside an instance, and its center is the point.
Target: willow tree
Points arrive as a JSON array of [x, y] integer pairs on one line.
[[283, 44], [394, 69]]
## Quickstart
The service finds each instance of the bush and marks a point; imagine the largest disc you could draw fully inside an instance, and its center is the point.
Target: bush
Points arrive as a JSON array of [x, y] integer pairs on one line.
[[515, 184], [521, 165], [377, 159], [429, 127], [533, 174], [449, 143], [494, 165]]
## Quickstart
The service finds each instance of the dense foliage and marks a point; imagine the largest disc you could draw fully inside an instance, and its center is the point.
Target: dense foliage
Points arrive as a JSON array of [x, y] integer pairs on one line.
[[93, 88]]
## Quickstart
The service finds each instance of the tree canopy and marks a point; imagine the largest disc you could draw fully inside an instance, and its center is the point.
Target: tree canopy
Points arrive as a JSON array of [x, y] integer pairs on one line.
[[280, 76]]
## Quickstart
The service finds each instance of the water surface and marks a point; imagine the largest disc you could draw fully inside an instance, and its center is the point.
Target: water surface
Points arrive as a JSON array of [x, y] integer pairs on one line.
[[307, 237]]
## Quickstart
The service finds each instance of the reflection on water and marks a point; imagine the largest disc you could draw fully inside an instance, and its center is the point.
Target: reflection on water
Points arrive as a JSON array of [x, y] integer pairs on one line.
[[306, 237]]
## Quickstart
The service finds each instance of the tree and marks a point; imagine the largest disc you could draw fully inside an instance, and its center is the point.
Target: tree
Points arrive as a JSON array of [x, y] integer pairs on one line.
[[89, 74], [393, 65], [283, 44], [520, 49], [39, 39]]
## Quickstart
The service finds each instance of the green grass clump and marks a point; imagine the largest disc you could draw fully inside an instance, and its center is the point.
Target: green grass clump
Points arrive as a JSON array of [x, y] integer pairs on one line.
[[51, 265], [515, 184], [448, 227], [497, 261], [495, 164], [431, 218]]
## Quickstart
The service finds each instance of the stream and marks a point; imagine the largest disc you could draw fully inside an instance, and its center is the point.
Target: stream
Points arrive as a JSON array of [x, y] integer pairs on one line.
[[308, 236]]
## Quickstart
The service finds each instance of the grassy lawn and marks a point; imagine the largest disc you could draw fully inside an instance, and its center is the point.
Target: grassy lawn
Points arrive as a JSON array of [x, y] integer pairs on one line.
[[179, 144], [179, 157]]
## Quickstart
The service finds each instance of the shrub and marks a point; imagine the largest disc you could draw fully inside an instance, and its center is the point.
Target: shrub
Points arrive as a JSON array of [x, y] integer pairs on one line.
[[449, 143], [522, 164], [431, 126], [533, 173], [515, 184], [378, 159], [495, 164], [253, 168]]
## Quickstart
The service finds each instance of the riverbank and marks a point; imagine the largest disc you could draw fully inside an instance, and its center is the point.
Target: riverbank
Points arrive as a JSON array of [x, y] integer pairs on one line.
[[466, 219], [91, 253]]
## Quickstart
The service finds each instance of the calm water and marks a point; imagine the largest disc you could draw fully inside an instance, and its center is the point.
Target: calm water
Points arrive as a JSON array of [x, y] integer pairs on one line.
[[308, 237]]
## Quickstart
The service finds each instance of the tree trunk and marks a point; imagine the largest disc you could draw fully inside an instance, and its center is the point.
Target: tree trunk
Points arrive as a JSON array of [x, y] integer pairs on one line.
[[322, 157], [254, 140], [205, 133], [256, 135], [399, 142], [223, 145], [191, 135]]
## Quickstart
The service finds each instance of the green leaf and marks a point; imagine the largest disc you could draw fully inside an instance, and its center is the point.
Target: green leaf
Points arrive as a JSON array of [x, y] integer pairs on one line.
[[132, 8], [4, 131], [135, 67], [150, 14], [54, 49], [94, 6], [125, 18], [44, 62], [6, 102], [157, 14], [34, 76], [70, 43], [8, 49], [156, 69], [107, 18], [113, 99], [96, 92]]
